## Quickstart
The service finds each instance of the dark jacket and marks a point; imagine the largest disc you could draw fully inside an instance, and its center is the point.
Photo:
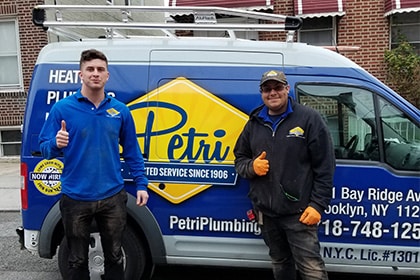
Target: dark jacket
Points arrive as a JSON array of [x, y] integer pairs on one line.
[[301, 158]]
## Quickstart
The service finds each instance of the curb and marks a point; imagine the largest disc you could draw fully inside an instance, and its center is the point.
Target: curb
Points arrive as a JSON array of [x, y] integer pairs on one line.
[[9, 159]]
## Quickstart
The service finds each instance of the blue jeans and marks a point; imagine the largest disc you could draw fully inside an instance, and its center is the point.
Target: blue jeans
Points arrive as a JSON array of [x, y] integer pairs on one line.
[[111, 217], [293, 245]]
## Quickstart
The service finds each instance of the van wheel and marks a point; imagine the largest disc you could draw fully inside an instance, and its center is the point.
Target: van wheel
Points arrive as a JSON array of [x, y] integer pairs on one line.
[[136, 267]]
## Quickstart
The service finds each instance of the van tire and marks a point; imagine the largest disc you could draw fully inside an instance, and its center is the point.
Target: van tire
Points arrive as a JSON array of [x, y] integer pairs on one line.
[[135, 264]]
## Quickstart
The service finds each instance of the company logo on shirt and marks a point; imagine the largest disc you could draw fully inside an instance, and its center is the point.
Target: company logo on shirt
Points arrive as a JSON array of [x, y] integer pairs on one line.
[[112, 113], [187, 135], [296, 132]]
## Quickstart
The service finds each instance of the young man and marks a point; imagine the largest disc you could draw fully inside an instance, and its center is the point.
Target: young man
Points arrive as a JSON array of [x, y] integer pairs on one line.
[[286, 152], [87, 129]]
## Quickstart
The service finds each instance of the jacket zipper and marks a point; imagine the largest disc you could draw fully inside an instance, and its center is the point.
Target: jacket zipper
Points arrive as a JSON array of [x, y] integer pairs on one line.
[[273, 131]]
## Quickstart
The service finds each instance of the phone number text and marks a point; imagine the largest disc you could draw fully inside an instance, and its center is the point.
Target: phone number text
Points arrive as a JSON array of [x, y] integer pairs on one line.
[[375, 229]]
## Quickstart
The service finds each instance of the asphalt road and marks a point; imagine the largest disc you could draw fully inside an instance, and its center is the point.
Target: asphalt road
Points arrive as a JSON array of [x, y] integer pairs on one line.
[[17, 264]]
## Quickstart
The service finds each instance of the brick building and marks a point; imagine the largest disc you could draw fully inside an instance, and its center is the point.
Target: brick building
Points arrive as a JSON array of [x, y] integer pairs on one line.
[[20, 44], [360, 29]]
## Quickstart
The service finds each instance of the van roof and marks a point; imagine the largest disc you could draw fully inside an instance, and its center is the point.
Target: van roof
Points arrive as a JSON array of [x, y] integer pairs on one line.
[[225, 51]]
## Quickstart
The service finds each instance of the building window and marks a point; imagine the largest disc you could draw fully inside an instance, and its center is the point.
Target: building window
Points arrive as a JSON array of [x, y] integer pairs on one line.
[[407, 26], [10, 68], [10, 141], [318, 31]]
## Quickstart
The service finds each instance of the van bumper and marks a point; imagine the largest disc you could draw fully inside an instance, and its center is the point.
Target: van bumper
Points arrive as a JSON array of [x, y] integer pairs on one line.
[[28, 239]]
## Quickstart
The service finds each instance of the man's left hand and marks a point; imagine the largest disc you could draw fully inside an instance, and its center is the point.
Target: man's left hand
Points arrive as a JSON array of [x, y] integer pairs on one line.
[[310, 216], [142, 197]]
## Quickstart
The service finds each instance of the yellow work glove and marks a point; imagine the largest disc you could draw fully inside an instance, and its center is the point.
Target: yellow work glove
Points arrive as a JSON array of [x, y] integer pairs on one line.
[[310, 216], [261, 165]]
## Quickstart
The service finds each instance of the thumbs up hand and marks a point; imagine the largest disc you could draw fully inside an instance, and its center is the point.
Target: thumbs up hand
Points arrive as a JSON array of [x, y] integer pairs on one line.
[[62, 137], [261, 165]]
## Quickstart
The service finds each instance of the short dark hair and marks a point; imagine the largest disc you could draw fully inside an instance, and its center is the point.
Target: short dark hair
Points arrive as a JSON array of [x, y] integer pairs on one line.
[[88, 55]]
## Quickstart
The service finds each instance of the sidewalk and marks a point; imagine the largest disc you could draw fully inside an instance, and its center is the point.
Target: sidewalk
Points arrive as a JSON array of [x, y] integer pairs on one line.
[[10, 184]]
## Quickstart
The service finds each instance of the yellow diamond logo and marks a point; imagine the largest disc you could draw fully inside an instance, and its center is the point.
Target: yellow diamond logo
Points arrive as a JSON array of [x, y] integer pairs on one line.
[[187, 135]]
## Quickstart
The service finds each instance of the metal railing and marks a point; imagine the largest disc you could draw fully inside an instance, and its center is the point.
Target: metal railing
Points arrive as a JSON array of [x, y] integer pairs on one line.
[[130, 18]]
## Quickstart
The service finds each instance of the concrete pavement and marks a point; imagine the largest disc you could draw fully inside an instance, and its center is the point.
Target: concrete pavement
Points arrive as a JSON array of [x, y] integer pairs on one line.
[[10, 184]]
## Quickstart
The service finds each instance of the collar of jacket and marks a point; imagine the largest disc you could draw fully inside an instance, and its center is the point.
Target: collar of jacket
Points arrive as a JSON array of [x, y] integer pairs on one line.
[[80, 96], [263, 113]]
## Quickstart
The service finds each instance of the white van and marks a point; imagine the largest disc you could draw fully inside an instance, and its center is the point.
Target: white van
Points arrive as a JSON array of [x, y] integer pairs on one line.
[[190, 98]]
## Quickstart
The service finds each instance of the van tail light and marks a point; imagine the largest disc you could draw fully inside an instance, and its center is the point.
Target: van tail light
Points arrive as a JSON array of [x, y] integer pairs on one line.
[[24, 185]]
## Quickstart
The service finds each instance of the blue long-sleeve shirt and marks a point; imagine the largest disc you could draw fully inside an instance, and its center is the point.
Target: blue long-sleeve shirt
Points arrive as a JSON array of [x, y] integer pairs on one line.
[[92, 166]]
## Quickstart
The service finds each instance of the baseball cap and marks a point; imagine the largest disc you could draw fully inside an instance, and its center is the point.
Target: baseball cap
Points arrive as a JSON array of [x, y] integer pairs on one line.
[[275, 76]]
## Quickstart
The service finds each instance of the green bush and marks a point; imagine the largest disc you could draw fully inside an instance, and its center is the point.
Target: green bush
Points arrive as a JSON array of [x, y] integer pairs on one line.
[[404, 71]]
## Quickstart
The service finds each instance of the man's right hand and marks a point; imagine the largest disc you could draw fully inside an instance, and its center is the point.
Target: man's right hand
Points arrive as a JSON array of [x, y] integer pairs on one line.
[[261, 165], [62, 137]]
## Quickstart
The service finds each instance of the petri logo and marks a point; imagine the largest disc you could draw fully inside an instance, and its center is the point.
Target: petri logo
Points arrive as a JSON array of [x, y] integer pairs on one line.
[[188, 135]]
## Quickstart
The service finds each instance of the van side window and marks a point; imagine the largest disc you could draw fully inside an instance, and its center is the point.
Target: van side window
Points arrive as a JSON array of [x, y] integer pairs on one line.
[[401, 138], [350, 115]]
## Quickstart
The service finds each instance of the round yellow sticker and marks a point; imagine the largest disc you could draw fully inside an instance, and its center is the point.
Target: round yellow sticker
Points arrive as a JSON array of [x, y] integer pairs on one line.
[[46, 176]]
